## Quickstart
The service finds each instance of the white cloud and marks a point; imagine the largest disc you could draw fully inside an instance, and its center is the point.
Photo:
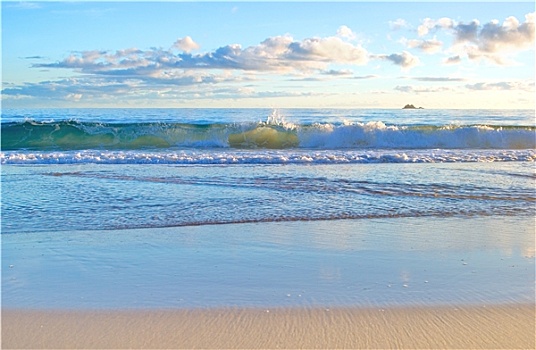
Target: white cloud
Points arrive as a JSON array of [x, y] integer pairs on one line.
[[346, 33], [280, 53], [502, 86], [520, 86], [420, 89], [182, 71], [466, 32], [330, 49], [492, 41], [429, 25], [428, 46], [342, 72], [438, 79], [25, 5], [453, 60], [370, 76], [398, 24], [109, 88], [405, 59], [160, 72], [511, 35], [186, 44], [74, 97]]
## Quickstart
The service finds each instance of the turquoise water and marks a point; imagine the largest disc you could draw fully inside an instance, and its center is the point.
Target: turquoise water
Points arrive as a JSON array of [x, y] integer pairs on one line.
[[187, 136], [83, 188], [116, 169]]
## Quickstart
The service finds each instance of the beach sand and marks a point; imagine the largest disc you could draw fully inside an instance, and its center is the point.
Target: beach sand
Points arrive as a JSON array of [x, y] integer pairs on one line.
[[476, 327], [401, 283]]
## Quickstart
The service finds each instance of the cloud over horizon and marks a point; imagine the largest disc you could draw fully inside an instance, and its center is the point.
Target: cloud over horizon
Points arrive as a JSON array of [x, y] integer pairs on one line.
[[157, 70], [184, 71], [405, 59], [428, 46], [186, 44], [492, 41], [275, 54]]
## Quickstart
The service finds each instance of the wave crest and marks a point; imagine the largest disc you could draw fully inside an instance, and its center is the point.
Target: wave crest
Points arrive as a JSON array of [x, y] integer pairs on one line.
[[272, 134]]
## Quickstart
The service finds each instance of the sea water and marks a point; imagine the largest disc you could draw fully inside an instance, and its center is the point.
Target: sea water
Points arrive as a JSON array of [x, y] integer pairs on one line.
[[128, 168], [308, 174]]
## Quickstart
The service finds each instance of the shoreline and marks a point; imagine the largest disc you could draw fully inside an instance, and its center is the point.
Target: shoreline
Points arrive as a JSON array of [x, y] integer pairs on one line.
[[406, 261], [404, 283], [453, 326]]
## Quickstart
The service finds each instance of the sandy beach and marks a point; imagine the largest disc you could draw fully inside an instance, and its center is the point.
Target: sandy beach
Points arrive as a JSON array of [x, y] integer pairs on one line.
[[403, 283], [475, 327], [267, 175]]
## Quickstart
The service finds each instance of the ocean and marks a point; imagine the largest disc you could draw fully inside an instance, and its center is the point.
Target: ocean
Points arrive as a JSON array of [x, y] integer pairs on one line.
[[252, 176], [129, 168]]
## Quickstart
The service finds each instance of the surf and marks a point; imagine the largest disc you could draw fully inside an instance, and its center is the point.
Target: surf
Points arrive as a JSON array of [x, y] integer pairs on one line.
[[262, 156], [271, 134]]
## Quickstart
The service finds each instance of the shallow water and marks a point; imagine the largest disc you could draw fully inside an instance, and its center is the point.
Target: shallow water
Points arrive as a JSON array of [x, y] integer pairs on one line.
[[97, 197], [366, 262]]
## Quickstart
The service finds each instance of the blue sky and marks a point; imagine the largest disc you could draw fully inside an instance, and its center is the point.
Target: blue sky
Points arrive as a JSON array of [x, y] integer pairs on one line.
[[273, 54]]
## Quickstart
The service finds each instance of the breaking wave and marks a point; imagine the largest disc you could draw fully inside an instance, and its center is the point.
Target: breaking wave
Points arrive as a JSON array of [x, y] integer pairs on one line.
[[272, 134]]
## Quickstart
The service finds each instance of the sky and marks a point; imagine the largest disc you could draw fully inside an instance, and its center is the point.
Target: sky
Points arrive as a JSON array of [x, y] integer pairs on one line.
[[268, 54]]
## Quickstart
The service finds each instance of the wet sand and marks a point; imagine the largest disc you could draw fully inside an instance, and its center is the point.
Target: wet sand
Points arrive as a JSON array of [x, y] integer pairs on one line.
[[448, 327], [347, 263], [404, 283]]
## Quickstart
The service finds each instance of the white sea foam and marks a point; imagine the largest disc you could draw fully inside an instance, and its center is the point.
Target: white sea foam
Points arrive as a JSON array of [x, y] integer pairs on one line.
[[379, 135], [230, 156]]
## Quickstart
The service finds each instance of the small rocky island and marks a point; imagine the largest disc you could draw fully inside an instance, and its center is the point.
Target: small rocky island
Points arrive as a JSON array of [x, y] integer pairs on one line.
[[411, 107]]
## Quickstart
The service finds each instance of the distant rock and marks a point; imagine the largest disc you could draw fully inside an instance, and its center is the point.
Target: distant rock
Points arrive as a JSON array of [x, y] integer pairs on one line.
[[411, 107]]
